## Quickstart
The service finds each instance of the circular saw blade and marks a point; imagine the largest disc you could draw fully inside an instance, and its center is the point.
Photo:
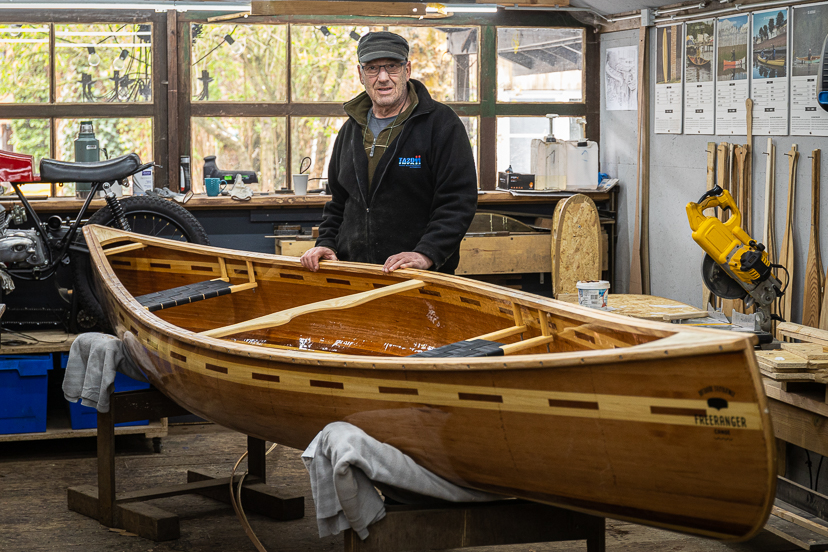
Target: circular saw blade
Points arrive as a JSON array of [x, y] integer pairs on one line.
[[719, 282]]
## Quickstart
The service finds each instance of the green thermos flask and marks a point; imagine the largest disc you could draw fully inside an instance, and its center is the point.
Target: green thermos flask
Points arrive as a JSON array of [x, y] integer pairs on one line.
[[86, 151]]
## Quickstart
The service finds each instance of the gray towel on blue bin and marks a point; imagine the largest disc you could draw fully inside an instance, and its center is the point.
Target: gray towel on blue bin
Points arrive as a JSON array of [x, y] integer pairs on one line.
[[94, 358], [345, 463]]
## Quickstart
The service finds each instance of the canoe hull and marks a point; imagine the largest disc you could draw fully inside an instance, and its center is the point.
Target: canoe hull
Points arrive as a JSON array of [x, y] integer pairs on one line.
[[661, 436]]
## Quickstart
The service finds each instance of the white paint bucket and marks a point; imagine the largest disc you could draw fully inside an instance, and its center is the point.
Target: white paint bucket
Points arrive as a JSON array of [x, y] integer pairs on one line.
[[593, 293]]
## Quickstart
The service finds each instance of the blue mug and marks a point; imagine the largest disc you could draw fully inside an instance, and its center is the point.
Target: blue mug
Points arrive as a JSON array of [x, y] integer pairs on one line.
[[213, 186]]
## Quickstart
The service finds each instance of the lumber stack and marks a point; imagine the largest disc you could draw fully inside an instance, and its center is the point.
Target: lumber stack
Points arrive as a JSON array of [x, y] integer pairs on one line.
[[804, 361]]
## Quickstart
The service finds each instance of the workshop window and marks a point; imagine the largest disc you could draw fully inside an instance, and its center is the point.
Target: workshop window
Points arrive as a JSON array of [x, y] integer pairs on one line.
[[239, 63], [29, 136], [242, 143], [515, 135], [313, 137], [540, 65], [103, 63], [116, 137], [324, 61], [24, 70]]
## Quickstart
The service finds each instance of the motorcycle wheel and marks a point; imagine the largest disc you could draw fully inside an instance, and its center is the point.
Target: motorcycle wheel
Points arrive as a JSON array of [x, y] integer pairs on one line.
[[152, 216]]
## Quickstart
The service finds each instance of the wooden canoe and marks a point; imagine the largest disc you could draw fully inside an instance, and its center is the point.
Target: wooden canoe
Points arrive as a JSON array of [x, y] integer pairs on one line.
[[642, 421], [733, 64], [772, 62], [698, 61]]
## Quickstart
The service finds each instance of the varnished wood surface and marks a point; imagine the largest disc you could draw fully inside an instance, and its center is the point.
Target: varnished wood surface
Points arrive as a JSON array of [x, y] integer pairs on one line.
[[613, 420], [786, 255], [812, 300]]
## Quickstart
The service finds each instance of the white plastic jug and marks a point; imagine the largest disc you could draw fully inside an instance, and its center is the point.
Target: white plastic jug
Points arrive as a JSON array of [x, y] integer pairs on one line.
[[549, 165], [581, 165]]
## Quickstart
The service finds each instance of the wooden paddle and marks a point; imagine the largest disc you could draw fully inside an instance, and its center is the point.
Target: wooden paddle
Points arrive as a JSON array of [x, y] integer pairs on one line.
[[739, 187], [636, 282], [747, 207], [812, 300], [769, 228], [786, 255], [711, 182]]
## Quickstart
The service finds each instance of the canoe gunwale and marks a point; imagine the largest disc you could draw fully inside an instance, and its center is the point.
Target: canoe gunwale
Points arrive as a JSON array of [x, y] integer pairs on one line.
[[680, 342]]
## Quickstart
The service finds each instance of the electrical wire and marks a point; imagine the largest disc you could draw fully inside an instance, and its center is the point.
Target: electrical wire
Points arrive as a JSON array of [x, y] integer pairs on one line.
[[216, 47]]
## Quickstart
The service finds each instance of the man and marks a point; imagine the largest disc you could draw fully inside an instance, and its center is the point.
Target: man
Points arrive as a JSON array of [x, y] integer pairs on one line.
[[402, 175]]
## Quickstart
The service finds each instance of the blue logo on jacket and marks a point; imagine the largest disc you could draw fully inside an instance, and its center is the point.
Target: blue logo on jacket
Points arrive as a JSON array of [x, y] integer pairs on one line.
[[411, 162]]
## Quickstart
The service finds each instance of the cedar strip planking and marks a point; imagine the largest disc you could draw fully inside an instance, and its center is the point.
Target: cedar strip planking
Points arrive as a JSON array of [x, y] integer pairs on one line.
[[812, 300], [786, 255]]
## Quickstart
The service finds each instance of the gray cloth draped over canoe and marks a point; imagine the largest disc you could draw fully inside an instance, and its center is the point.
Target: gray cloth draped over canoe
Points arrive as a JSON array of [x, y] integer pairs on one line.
[[94, 358], [345, 464]]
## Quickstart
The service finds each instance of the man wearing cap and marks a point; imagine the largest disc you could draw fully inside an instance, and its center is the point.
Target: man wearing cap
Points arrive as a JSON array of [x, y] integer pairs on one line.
[[402, 174]]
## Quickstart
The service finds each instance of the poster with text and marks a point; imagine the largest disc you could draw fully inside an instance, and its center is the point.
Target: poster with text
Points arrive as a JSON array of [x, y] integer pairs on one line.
[[668, 91], [769, 75], [809, 27], [699, 88], [621, 79], [732, 74]]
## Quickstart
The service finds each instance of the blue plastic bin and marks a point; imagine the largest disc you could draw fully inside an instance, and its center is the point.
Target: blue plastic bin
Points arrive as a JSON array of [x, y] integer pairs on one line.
[[23, 385], [85, 417]]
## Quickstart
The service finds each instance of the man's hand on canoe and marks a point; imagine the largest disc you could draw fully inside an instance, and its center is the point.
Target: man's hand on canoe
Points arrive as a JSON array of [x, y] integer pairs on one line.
[[311, 258], [407, 259]]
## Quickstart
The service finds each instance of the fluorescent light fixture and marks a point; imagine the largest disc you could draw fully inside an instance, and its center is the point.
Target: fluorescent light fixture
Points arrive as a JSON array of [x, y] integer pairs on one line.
[[462, 8], [134, 5]]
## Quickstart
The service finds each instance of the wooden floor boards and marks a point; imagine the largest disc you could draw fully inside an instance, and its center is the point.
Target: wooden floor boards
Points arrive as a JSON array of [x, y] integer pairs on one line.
[[34, 518]]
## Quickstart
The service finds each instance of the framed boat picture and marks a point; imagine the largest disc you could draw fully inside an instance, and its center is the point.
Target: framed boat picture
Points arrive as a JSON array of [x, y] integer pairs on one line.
[[668, 89], [770, 61], [699, 87], [732, 74], [810, 25]]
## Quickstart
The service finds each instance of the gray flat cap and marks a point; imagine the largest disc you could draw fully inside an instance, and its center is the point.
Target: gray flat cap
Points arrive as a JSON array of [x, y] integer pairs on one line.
[[382, 44]]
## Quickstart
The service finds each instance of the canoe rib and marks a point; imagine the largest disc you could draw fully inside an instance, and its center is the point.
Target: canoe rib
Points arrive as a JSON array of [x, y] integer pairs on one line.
[[283, 317]]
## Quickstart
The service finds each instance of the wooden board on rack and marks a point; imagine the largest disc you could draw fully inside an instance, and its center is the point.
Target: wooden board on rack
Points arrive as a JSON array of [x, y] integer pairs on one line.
[[576, 244], [812, 299], [786, 256]]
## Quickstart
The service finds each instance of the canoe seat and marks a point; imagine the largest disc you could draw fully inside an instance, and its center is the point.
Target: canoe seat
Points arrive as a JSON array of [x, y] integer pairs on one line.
[[473, 348], [185, 294]]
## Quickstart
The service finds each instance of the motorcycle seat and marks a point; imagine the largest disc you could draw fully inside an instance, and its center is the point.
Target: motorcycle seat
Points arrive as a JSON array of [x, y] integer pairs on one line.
[[110, 170]]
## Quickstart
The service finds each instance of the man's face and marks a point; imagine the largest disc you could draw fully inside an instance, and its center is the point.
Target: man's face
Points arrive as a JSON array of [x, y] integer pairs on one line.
[[385, 90]]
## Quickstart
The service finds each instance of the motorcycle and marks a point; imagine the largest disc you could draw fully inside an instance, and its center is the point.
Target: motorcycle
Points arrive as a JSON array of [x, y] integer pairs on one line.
[[36, 252]]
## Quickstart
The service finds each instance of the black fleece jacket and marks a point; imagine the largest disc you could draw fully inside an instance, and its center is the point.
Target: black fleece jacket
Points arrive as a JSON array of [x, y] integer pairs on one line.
[[423, 195]]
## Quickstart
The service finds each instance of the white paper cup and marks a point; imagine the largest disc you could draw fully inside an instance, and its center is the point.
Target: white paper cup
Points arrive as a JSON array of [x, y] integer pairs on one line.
[[300, 184]]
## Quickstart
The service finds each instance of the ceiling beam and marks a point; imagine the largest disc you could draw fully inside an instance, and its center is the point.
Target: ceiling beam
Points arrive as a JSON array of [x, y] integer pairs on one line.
[[323, 7]]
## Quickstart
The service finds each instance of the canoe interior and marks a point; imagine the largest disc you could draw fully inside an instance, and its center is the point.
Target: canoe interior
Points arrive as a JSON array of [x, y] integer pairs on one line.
[[399, 325]]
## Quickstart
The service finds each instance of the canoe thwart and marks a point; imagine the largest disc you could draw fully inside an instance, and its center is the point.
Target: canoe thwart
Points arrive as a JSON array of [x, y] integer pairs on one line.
[[186, 294], [474, 348], [280, 318]]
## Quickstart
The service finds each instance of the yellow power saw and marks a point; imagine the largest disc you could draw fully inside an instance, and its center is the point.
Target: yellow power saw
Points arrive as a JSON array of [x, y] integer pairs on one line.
[[735, 265]]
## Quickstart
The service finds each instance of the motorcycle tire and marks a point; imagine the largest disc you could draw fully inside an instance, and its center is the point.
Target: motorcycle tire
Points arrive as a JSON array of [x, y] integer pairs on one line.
[[152, 216]]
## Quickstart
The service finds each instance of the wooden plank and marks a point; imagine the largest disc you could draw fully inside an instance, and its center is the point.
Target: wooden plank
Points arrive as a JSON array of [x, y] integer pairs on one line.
[[803, 333], [786, 256], [644, 166], [812, 300], [786, 376], [338, 303], [576, 241], [747, 208], [793, 494], [319, 7], [800, 517], [808, 351], [512, 254], [293, 248], [769, 226], [799, 427], [711, 183], [799, 536], [38, 341], [781, 360], [636, 282], [513, 348]]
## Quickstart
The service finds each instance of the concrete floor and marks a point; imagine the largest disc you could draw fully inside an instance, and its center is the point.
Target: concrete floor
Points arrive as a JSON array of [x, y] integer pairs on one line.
[[34, 517]]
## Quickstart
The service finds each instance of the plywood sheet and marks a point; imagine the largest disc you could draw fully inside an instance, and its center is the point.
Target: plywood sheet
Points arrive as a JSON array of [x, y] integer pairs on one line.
[[576, 242], [809, 351], [647, 307], [781, 360]]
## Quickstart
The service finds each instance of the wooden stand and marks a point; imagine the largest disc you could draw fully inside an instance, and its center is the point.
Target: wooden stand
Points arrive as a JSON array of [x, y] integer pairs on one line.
[[129, 510], [448, 526]]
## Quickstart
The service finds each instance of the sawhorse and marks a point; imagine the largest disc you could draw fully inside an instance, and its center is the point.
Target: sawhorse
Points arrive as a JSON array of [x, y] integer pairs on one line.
[[129, 511]]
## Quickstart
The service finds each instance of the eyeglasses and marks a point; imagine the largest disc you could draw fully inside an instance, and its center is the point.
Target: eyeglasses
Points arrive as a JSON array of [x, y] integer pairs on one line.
[[390, 68]]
